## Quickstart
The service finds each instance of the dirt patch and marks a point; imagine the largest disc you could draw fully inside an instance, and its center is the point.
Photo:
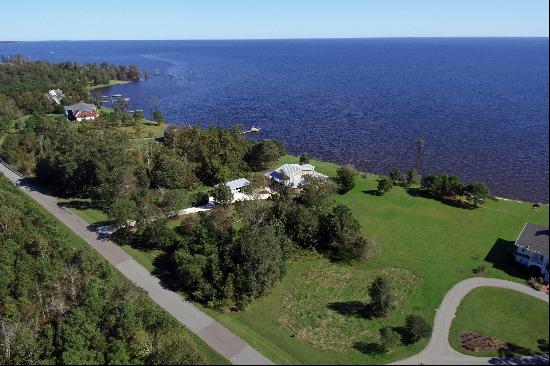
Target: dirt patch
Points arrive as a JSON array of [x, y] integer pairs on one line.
[[476, 342]]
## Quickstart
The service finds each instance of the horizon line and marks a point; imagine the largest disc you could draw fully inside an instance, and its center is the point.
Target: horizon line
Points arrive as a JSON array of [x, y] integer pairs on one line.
[[262, 39]]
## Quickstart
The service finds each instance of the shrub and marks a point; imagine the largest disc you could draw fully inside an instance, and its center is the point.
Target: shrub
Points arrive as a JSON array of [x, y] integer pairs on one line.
[[396, 176], [304, 159], [157, 235], [476, 193], [201, 198], [384, 185], [413, 178], [443, 186], [389, 338], [382, 297], [536, 283], [222, 195], [416, 328], [345, 177]]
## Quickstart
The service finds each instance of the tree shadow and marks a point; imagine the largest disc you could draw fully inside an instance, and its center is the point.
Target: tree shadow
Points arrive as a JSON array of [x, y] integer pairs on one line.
[[356, 309], [164, 271], [519, 360], [502, 258], [84, 205], [372, 192], [405, 337], [371, 349], [514, 350], [418, 192], [543, 345]]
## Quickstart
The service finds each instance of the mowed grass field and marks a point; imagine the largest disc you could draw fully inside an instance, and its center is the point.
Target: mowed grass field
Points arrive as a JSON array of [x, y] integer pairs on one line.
[[314, 315], [514, 318]]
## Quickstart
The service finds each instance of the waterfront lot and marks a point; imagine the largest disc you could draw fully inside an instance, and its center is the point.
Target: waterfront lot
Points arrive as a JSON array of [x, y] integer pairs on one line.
[[425, 247]]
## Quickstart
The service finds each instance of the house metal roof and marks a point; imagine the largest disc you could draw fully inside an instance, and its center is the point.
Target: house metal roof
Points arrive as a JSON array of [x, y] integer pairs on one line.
[[290, 170], [237, 183], [534, 238], [78, 107], [294, 172]]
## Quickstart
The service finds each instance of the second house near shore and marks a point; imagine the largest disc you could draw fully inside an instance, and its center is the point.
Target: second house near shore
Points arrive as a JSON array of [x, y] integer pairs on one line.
[[293, 174], [532, 249], [81, 112]]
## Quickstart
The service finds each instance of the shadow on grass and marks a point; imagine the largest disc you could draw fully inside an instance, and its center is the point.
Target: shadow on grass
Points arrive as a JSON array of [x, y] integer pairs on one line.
[[501, 256], [372, 192], [85, 205], [371, 349], [164, 271], [356, 309], [543, 346], [417, 192]]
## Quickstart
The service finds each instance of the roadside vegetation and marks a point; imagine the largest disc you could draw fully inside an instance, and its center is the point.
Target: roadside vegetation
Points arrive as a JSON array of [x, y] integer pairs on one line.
[[61, 304]]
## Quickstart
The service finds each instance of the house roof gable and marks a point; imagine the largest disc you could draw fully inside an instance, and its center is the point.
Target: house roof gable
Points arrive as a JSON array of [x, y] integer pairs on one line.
[[534, 238]]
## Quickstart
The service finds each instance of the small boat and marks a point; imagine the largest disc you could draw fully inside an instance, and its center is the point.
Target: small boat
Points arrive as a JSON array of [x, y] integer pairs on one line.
[[253, 129]]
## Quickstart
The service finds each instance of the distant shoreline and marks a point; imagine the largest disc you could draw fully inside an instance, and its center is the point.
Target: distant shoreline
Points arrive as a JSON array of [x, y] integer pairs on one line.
[[275, 39]]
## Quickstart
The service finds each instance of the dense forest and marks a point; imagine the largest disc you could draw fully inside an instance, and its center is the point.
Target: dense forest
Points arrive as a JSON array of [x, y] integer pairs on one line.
[[24, 83], [132, 180], [61, 304]]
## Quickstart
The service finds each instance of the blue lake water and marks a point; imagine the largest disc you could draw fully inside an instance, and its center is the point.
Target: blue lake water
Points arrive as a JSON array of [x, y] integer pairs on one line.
[[481, 105]]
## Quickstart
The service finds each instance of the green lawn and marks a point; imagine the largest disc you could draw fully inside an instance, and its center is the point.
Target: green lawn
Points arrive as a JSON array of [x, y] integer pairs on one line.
[[146, 129], [144, 257], [510, 316], [86, 209], [425, 246], [111, 83]]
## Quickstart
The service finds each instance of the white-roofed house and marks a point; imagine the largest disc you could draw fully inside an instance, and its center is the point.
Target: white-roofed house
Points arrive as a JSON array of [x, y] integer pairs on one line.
[[293, 174], [237, 185], [55, 95]]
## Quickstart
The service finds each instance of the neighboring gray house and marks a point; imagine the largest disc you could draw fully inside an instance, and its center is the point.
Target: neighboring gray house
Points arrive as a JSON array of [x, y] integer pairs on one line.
[[81, 111], [237, 185], [295, 174], [532, 248], [55, 95]]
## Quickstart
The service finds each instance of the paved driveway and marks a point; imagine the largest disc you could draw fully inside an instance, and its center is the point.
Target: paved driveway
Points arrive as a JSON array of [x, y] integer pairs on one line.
[[214, 334], [440, 352]]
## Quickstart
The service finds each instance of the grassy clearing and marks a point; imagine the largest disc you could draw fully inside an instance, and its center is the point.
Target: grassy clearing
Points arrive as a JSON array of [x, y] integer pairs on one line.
[[510, 316], [145, 129], [144, 257], [86, 209], [111, 83], [326, 305], [435, 244]]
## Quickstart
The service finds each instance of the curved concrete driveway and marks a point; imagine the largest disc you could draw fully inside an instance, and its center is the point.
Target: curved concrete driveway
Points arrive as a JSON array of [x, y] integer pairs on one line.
[[211, 332], [440, 352]]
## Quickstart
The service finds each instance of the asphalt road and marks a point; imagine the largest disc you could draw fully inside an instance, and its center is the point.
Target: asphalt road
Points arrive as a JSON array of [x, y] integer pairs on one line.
[[213, 333], [440, 352]]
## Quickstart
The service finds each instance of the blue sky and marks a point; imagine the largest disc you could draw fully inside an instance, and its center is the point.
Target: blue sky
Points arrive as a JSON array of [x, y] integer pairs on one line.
[[237, 19]]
